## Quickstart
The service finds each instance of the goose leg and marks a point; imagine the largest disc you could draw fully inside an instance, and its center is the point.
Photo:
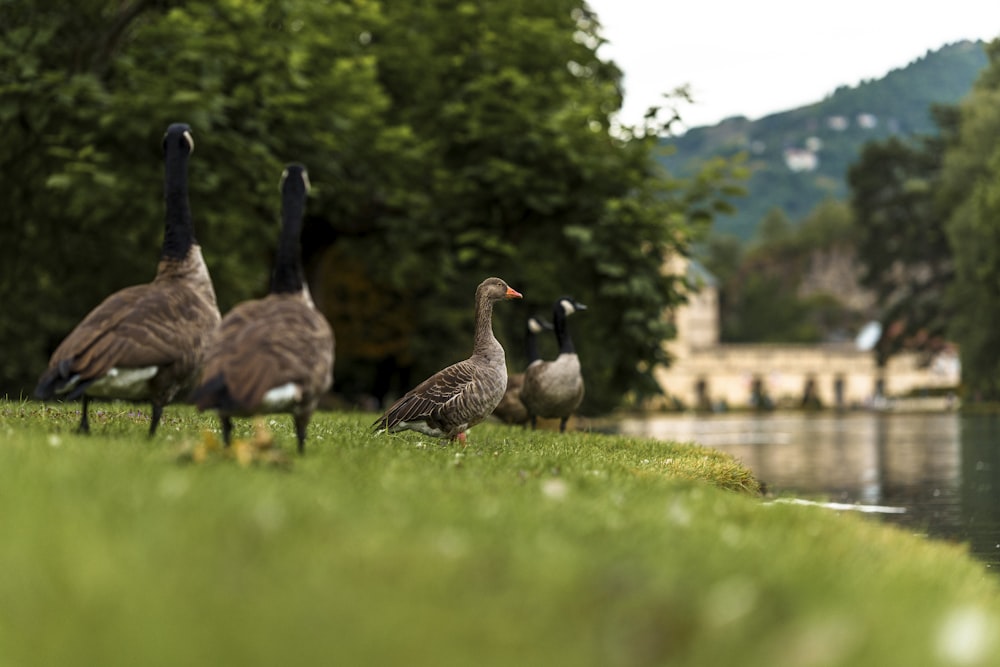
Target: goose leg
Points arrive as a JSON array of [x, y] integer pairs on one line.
[[84, 422], [533, 424], [227, 429], [562, 424], [301, 422], [155, 420]]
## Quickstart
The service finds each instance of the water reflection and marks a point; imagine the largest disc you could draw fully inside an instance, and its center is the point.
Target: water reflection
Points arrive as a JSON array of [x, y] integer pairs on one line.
[[943, 468], [980, 439]]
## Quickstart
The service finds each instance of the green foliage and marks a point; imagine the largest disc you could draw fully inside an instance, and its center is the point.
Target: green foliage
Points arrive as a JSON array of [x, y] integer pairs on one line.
[[775, 228], [971, 182], [766, 312], [721, 254], [445, 143], [761, 294], [900, 102], [527, 548], [84, 160], [927, 217], [525, 181], [899, 215], [830, 223]]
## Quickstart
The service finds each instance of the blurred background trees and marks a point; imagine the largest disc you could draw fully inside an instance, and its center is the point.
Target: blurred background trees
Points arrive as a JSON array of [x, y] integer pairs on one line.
[[917, 240], [928, 215], [445, 141], [971, 191], [900, 211]]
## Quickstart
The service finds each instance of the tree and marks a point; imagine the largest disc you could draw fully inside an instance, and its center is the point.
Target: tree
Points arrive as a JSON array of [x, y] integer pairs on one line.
[[446, 142], [525, 179], [971, 184], [88, 89], [902, 244], [830, 223], [775, 228], [764, 298]]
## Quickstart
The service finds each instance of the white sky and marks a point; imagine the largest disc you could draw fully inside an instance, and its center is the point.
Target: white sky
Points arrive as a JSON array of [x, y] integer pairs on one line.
[[756, 57]]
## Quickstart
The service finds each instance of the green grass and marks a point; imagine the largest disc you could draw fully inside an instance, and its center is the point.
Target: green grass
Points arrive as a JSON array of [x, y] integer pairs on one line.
[[521, 549]]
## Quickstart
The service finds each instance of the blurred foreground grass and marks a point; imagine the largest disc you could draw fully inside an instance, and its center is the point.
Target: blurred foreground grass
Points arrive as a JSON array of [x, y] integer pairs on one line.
[[521, 549]]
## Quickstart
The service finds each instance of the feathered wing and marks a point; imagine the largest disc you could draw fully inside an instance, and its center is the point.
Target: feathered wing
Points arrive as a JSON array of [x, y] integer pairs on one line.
[[265, 344], [136, 327], [442, 400]]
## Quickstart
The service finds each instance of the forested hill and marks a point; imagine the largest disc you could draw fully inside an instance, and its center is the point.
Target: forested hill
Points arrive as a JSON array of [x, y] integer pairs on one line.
[[799, 157]]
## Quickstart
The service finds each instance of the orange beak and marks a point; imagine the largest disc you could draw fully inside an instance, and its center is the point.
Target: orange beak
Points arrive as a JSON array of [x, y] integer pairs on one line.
[[513, 293]]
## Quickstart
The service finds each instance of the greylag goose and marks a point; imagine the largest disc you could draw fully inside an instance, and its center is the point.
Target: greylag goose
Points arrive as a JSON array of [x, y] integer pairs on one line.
[[273, 354], [511, 409], [554, 389], [145, 342], [454, 399]]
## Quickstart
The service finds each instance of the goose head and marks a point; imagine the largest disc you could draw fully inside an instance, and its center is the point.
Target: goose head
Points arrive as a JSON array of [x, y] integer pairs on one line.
[[294, 176], [179, 135], [495, 289], [568, 305]]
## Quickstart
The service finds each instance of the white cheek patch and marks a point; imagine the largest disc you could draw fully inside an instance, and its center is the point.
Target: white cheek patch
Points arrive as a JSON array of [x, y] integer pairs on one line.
[[567, 307], [124, 383], [282, 397]]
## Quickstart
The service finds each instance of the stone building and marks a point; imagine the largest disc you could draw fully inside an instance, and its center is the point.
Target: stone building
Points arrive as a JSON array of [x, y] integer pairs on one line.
[[707, 374]]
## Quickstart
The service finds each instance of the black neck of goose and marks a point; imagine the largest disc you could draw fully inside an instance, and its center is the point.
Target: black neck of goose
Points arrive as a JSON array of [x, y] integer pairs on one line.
[[531, 346], [288, 276], [559, 321], [178, 236]]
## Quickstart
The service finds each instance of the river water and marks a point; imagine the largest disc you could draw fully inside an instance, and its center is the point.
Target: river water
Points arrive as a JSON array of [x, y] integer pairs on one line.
[[936, 474]]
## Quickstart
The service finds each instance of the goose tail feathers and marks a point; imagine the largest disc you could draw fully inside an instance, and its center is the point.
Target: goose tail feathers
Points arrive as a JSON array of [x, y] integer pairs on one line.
[[213, 394], [60, 382]]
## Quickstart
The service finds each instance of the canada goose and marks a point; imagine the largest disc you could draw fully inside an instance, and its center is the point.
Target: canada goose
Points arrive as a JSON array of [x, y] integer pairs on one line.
[[555, 388], [273, 354], [145, 342], [453, 400], [511, 409]]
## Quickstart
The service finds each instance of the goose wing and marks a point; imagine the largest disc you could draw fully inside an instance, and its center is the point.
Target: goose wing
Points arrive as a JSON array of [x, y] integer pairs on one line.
[[442, 399], [139, 326], [266, 344]]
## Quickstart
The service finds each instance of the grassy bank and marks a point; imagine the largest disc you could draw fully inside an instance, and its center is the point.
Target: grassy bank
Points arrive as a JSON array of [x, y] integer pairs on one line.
[[523, 548]]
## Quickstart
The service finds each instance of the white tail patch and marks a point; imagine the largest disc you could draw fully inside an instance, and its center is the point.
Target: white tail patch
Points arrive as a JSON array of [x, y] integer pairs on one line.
[[69, 385], [282, 397], [421, 427], [124, 383]]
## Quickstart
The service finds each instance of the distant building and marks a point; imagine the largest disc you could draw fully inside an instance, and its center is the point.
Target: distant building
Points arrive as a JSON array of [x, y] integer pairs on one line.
[[867, 121], [838, 123], [708, 375], [801, 159]]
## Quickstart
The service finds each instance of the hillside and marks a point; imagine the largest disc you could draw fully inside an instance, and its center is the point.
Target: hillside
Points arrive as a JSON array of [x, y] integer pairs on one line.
[[799, 157]]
